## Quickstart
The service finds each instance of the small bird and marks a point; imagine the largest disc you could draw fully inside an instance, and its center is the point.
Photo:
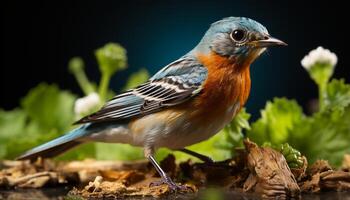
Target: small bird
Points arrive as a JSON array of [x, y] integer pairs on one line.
[[186, 102]]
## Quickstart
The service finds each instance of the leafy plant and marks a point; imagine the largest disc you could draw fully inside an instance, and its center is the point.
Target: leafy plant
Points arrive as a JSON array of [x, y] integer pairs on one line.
[[46, 113], [111, 58], [323, 135], [277, 119]]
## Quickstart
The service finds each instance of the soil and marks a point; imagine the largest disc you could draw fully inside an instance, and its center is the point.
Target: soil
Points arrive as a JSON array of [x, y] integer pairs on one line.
[[256, 172]]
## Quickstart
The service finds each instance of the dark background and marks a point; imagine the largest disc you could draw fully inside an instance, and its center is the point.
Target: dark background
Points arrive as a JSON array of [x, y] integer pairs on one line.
[[39, 37]]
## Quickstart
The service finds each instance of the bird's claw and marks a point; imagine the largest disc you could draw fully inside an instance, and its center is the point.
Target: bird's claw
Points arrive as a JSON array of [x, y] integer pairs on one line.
[[171, 184]]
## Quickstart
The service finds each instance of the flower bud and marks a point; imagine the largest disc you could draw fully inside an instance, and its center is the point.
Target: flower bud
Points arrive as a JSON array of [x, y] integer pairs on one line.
[[320, 64], [75, 65], [87, 104], [111, 58]]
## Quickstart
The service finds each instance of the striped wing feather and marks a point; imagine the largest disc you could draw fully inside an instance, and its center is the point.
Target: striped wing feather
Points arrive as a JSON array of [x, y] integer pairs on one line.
[[174, 84]]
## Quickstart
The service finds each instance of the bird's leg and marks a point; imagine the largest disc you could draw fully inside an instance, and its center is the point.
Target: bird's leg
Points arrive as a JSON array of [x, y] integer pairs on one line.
[[201, 157], [165, 178]]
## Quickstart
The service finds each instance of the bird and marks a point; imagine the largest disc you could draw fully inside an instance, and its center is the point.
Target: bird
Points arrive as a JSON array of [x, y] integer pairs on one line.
[[186, 102]]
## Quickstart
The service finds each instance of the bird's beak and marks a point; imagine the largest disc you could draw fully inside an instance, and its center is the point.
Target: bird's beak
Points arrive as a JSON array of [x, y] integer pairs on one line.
[[270, 41]]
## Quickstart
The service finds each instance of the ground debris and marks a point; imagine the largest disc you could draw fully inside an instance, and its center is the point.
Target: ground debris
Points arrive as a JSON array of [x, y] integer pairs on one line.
[[225, 174], [135, 183], [127, 177], [318, 167], [321, 177], [88, 169], [100, 188], [257, 170], [23, 174]]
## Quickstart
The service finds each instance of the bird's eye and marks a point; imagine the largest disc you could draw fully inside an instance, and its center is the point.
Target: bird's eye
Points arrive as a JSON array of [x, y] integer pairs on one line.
[[238, 35]]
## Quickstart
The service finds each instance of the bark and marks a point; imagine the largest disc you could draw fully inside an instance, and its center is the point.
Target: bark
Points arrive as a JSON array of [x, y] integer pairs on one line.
[[269, 175]]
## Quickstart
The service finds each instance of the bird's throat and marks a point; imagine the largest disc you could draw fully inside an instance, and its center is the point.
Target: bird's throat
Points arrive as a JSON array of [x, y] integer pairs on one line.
[[228, 82]]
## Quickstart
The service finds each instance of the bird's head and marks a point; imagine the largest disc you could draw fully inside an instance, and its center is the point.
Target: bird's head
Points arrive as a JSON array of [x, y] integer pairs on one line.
[[238, 38]]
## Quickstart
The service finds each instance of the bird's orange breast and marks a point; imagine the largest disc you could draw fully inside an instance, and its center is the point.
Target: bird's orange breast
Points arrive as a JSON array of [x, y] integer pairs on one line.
[[227, 83]]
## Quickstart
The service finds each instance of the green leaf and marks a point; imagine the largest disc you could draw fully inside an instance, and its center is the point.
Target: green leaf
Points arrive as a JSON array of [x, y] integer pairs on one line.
[[338, 95], [12, 124], [323, 136], [50, 111], [277, 120], [326, 134], [232, 136], [50, 107], [136, 79], [18, 133], [47, 113]]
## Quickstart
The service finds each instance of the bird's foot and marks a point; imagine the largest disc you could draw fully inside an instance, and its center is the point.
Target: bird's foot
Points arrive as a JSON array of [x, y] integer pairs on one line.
[[172, 185], [165, 178]]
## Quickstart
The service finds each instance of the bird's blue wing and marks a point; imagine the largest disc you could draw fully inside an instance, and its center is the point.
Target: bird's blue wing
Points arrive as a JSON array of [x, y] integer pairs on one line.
[[173, 85]]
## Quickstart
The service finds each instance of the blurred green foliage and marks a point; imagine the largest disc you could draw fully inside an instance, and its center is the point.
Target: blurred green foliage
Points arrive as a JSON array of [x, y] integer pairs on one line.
[[46, 112], [50, 107], [76, 67], [111, 58], [323, 135]]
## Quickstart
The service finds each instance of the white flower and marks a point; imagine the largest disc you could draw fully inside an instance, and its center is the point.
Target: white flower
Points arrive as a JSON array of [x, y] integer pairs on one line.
[[85, 104], [321, 56]]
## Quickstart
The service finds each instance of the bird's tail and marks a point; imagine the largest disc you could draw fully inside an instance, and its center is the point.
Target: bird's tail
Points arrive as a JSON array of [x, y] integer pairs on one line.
[[56, 146]]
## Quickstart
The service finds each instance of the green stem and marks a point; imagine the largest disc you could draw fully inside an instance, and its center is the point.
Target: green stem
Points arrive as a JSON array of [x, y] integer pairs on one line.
[[321, 96], [83, 82], [104, 86]]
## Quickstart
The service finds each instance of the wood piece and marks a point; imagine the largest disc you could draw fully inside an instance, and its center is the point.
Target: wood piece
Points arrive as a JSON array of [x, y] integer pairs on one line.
[[270, 175]]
